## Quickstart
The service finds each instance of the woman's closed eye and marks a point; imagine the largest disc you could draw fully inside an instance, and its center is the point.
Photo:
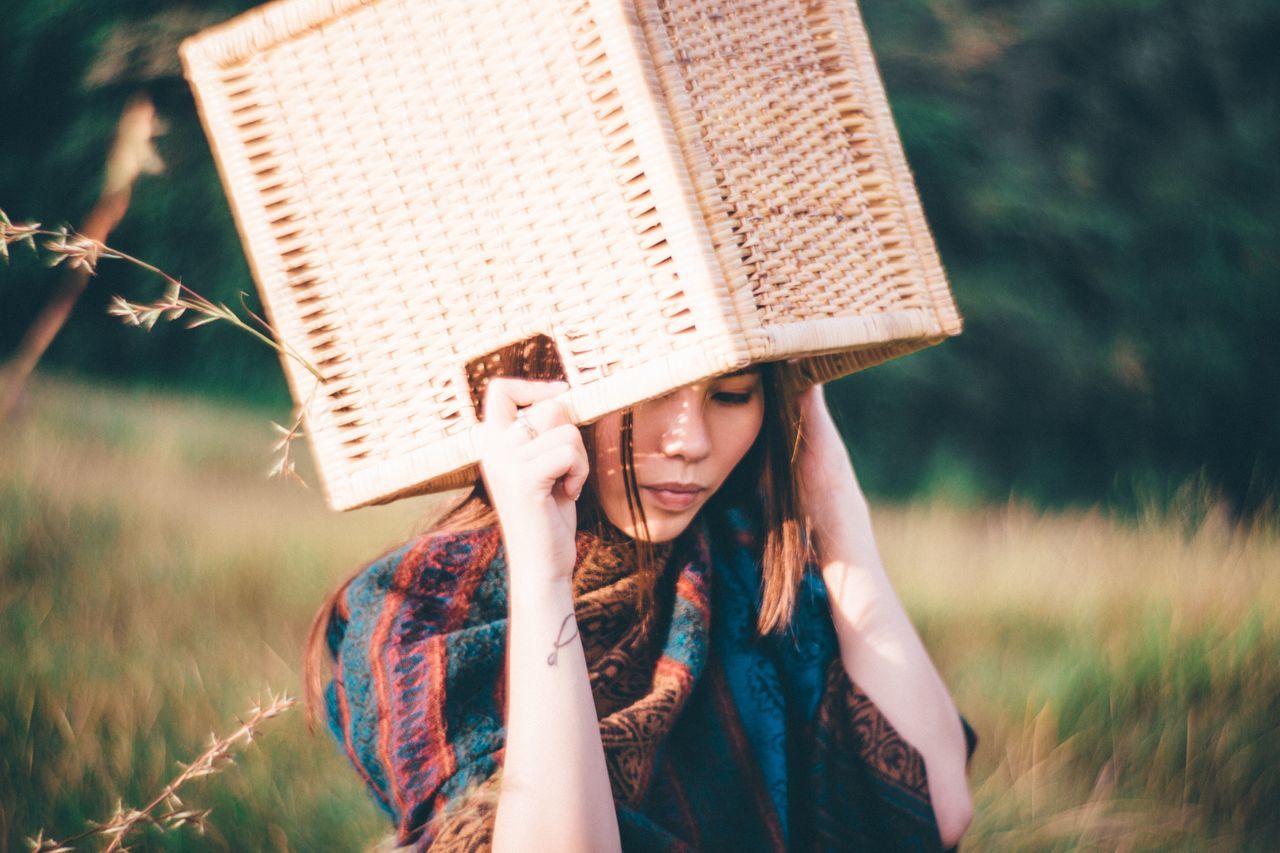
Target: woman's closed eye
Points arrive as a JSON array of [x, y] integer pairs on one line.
[[733, 398]]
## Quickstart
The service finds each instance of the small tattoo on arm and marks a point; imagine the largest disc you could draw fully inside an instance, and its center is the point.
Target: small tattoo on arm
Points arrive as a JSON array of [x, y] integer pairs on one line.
[[559, 643]]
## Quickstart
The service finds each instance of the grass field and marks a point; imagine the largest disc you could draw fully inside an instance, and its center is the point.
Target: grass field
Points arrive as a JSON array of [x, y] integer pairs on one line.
[[1124, 678]]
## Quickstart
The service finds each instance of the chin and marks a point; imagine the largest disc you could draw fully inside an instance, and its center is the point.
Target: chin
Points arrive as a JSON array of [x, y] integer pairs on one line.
[[661, 533], [662, 526]]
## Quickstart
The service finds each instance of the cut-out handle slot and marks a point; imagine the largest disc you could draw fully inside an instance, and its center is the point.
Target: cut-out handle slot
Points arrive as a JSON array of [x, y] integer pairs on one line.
[[534, 357]]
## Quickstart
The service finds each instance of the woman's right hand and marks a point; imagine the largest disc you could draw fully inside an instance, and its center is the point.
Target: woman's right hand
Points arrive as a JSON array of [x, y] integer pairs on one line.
[[534, 466]]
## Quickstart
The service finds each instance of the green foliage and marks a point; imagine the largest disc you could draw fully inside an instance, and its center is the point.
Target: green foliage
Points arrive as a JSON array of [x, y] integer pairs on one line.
[[73, 66], [1101, 177], [1221, 766], [1102, 180]]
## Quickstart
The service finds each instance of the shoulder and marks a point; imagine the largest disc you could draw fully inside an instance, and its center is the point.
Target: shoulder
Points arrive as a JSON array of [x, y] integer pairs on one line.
[[430, 558], [399, 634], [438, 566]]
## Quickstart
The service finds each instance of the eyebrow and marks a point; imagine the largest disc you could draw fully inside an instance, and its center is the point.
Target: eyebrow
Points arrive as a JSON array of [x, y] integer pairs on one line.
[[751, 368]]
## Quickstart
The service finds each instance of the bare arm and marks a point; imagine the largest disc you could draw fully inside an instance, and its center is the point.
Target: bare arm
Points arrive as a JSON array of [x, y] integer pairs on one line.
[[879, 647], [555, 786]]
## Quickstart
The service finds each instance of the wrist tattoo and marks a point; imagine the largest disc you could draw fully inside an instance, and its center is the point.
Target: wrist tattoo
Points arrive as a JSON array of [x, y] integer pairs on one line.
[[559, 643]]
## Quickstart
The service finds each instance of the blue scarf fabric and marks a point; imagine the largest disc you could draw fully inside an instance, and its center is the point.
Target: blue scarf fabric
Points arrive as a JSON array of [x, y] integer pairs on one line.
[[715, 738]]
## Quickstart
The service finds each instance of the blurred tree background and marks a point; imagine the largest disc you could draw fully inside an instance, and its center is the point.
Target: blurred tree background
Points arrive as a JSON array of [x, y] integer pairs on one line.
[[1101, 175]]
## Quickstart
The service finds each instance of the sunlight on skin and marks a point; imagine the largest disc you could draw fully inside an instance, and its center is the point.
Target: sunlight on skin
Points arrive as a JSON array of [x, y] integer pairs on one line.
[[685, 444]]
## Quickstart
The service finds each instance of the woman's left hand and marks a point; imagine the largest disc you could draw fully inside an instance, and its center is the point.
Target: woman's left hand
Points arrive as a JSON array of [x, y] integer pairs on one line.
[[829, 489]]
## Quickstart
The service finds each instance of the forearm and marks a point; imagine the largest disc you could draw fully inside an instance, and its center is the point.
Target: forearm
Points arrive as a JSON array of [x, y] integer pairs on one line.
[[555, 787], [884, 656]]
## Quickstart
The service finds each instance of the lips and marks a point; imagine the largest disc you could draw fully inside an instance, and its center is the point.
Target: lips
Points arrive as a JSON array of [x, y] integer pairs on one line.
[[673, 496]]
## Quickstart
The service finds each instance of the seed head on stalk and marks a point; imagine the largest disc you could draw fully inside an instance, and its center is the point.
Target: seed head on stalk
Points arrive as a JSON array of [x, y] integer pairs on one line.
[[175, 813], [63, 245]]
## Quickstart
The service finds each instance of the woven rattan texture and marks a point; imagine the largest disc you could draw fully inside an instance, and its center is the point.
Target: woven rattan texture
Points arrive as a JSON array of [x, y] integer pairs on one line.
[[666, 190]]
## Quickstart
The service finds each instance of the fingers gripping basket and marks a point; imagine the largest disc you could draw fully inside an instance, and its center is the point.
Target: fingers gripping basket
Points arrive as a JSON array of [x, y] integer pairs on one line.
[[666, 189]]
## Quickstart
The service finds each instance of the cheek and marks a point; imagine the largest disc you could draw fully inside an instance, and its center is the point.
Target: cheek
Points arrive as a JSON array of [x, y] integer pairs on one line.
[[738, 433], [606, 467]]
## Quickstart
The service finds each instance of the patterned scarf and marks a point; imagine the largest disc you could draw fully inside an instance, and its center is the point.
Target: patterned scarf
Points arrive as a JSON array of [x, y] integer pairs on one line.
[[714, 738]]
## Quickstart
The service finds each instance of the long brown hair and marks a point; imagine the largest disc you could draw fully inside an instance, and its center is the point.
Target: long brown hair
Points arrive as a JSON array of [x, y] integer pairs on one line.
[[767, 471]]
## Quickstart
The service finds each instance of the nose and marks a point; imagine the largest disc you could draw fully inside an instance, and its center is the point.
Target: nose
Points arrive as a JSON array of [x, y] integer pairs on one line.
[[684, 431]]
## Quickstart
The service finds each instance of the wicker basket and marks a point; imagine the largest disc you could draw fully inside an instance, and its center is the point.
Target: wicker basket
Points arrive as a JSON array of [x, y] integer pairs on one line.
[[664, 189]]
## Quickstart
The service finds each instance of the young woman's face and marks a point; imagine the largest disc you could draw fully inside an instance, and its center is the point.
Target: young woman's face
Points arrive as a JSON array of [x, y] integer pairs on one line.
[[685, 445]]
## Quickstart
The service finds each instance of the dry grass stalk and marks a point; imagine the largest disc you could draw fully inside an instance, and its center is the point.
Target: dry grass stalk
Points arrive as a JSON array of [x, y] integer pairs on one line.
[[125, 820], [64, 246], [284, 468], [132, 155]]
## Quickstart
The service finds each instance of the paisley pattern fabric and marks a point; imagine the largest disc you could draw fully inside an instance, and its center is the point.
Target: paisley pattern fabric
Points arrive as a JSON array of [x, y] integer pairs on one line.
[[715, 738]]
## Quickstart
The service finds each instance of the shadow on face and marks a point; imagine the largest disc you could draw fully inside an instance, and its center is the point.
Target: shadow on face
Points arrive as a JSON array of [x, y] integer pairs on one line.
[[683, 446]]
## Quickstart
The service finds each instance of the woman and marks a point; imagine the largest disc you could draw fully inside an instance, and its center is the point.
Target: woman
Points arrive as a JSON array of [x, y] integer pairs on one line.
[[623, 638]]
